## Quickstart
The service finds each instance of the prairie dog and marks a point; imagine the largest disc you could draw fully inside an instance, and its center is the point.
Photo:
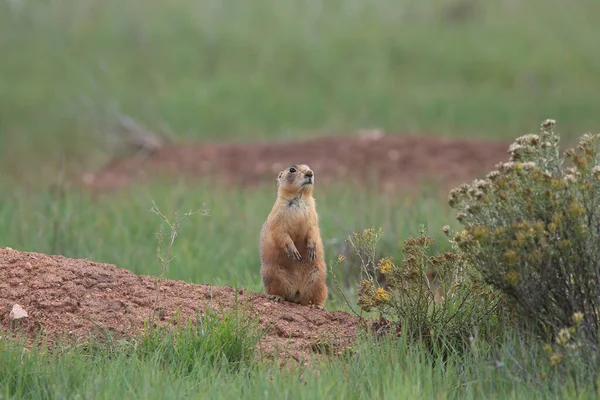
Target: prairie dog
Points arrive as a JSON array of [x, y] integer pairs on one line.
[[291, 250]]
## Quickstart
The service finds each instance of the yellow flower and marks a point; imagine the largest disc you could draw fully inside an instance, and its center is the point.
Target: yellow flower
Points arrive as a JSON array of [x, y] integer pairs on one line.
[[479, 232], [548, 347], [580, 162], [556, 358], [385, 265], [557, 184], [341, 258], [563, 336], [543, 375], [511, 256], [577, 317], [575, 209], [539, 226], [557, 218], [382, 296], [511, 277], [521, 237], [499, 231], [459, 236]]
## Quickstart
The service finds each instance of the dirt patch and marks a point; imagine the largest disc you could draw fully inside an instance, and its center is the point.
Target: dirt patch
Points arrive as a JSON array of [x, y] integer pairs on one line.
[[74, 297], [393, 161]]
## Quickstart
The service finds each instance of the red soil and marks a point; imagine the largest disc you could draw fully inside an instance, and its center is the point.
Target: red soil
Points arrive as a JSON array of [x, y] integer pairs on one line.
[[74, 297], [395, 161]]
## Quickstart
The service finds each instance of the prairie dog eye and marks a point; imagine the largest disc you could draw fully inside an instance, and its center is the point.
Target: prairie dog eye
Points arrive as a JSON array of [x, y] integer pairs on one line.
[[292, 170]]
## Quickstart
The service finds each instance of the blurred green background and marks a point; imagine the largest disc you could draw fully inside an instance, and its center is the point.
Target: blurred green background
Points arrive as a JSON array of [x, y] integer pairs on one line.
[[257, 70]]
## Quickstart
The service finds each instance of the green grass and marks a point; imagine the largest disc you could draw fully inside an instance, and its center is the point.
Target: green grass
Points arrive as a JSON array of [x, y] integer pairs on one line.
[[386, 370], [241, 71], [220, 248], [261, 70], [209, 349], [189, 362]]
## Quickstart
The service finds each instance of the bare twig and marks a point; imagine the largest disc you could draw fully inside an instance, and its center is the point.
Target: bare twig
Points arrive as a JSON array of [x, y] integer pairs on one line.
[[165, 256], [139, 138]]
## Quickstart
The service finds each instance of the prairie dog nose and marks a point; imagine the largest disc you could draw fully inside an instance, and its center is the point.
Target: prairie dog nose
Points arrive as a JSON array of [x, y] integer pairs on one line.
[[309, 174]]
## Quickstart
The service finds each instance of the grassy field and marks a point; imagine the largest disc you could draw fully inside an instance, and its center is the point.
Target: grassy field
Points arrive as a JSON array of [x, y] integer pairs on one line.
[[238, 70], [242, 71], [390, 370], [121, 229]]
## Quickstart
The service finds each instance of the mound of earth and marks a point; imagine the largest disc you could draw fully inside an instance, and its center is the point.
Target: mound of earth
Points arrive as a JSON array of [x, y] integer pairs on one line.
[[74, 297], [393, 161]]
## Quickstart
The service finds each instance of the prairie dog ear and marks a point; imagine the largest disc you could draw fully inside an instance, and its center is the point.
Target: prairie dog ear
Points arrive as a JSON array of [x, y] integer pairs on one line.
[[279, 178]]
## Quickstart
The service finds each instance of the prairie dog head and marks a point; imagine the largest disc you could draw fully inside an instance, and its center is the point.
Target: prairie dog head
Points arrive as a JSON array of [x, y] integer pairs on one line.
[[296, 180]]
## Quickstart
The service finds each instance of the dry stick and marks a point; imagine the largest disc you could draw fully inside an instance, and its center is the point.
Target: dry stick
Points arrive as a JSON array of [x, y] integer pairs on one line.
[[174, 229], [335, 280], [139, 138], [364, 268]]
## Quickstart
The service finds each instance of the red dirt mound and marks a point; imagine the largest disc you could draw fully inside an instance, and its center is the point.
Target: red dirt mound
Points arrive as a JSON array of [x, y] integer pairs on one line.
[[74, 296], [396, 161]]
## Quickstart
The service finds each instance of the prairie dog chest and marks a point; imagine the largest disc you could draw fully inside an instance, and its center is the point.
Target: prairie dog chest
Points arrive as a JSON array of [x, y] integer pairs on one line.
[[299, 217]]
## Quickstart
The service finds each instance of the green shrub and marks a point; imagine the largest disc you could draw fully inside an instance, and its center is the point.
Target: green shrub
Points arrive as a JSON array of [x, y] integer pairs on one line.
[[431, 298], [532, 230]]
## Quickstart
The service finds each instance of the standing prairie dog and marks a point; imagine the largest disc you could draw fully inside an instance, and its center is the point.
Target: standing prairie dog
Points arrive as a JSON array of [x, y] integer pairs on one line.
[[291, 250]]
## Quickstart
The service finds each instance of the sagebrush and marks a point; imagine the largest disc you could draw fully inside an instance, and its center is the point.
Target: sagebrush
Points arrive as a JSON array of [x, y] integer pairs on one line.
[[532, 230]]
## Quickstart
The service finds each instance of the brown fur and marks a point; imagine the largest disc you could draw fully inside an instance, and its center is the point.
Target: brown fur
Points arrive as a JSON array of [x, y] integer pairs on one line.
[[436, 285], [291, 249]]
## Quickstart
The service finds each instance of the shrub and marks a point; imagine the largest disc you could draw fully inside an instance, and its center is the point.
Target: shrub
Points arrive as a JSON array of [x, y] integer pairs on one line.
[[432, 298], [566, 356], [532, 230]]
